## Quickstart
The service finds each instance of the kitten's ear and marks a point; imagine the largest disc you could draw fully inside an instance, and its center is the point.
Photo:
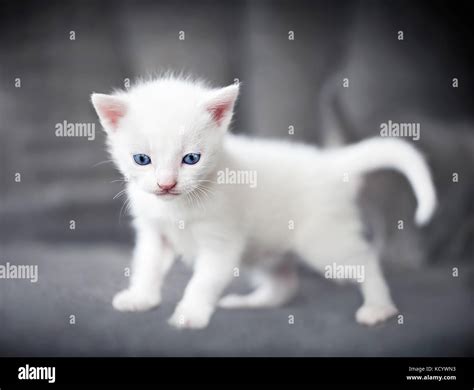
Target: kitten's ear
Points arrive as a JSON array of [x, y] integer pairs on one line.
[[110, 110], [220, 104]]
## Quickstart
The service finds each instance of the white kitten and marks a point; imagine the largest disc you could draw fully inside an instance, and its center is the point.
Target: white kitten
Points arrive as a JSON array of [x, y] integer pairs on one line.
[[224, 202]]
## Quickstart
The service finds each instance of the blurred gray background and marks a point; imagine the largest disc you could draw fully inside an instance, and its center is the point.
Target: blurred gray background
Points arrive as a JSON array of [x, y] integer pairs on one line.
[[285, 83]]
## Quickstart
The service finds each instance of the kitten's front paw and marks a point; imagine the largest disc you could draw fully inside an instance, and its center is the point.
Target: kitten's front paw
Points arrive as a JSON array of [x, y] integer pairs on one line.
[[191, 316], [373, 314], [132, 300]]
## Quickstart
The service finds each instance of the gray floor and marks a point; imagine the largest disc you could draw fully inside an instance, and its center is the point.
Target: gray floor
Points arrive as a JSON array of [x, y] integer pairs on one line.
[[80, 281]]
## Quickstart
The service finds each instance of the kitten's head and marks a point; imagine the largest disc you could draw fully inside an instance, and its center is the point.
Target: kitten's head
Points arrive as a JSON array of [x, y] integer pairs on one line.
[[165, 135]]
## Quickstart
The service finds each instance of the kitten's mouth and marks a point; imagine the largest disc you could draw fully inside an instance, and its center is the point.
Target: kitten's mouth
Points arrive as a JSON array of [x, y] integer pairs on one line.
[[165, 193]]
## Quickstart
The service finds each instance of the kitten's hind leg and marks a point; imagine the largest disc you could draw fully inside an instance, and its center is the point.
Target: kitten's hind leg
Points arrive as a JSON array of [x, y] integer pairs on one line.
[[378, 305], [354, 251], [274, 288]]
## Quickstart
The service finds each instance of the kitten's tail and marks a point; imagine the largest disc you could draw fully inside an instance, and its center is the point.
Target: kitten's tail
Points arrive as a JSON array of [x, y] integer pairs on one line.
[[389, 153]]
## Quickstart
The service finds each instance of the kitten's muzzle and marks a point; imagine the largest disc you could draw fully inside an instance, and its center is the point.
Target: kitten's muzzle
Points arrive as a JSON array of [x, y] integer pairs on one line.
[[166, 189]]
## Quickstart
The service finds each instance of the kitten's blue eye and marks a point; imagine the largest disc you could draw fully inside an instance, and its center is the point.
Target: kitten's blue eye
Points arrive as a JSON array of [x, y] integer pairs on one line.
[[191, 158], [142, 159]]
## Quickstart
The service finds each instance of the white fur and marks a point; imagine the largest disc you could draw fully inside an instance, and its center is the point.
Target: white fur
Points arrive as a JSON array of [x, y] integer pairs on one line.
[[301, 203]]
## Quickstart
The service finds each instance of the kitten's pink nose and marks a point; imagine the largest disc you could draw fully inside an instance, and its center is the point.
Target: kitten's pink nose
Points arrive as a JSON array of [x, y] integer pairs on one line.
[[167, 185]]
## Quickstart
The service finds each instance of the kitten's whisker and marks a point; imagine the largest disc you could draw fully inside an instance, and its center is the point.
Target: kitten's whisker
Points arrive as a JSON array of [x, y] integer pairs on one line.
[[119, 180], [120, 193], [200, 200], [189, 198], [206, 190], [124, 208], [201, 204], [102, 162], [202, 186], [193, 198], [203, 191]]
